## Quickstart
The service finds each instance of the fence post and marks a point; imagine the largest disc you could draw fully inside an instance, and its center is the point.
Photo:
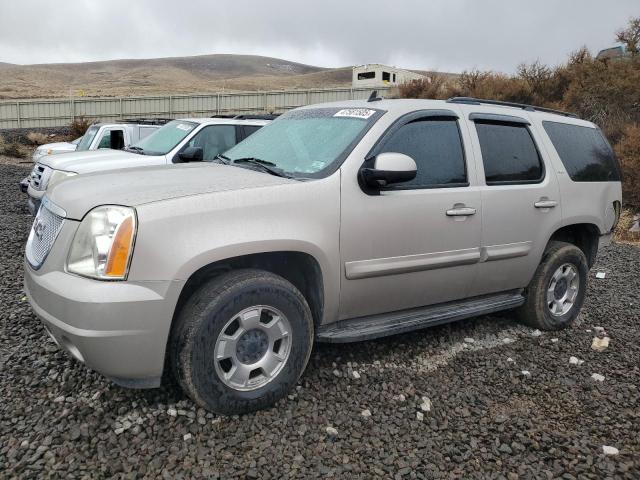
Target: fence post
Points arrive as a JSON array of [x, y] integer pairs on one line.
[[18, 114], [264, 101], [170, 106], [120, 103], [217, 104]]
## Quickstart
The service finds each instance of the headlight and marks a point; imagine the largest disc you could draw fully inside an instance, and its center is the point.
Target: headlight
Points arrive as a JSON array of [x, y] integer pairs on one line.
[[103, 243], [57, 176]]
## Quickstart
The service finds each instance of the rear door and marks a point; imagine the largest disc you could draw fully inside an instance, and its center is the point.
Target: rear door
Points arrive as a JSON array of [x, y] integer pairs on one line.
[[245, 130], [520, 199]]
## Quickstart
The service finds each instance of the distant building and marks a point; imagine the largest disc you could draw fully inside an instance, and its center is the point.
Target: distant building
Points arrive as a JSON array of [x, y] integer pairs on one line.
[[377, 75], [613, 52]]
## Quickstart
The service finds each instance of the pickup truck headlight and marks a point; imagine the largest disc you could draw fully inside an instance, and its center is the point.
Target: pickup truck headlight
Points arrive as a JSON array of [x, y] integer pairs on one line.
[[57, 176], [103, 243]]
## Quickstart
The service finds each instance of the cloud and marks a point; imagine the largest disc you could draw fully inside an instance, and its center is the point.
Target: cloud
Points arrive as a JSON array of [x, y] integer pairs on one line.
[[445, 35]]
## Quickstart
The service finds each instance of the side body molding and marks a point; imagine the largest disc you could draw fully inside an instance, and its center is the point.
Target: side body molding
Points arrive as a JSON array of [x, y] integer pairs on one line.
[[379, 267]]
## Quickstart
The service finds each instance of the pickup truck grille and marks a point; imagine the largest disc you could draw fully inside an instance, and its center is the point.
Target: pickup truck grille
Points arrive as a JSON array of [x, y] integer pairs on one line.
[[44, 232], [39, 177]]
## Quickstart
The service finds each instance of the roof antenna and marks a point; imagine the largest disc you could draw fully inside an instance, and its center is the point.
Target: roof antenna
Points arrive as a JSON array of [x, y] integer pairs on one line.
[[374, 97]]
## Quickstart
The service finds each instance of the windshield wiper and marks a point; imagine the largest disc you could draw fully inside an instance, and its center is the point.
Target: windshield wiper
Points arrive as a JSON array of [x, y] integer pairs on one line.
[[133, 148], [223, 159], [265, 165]]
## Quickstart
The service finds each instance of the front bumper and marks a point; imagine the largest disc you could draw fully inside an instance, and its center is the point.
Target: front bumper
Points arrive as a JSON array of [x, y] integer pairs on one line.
[[119, 329], [24, 185]]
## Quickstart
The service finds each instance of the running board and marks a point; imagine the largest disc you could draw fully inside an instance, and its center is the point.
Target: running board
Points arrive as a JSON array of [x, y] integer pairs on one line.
[[393, 323]]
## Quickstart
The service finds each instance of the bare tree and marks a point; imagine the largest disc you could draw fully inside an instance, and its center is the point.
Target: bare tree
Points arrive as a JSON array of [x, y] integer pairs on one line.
[[630, 36]]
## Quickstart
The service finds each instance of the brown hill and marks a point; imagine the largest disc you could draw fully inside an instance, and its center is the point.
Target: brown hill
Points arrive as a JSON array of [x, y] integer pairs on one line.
[[203, 73]]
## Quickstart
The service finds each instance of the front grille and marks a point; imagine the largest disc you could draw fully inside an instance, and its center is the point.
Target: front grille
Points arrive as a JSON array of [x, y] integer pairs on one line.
[[39, 177], [44, 231]]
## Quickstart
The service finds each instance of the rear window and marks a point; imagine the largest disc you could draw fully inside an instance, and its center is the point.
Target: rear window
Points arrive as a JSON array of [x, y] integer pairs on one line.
[[584, 151], [509, 154]]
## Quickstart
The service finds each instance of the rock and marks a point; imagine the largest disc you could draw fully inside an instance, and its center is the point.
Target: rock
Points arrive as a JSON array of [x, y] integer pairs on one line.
[[597, 377], [536, 333], [599, 329], [607, 450], [59, 399], [336, 373], [420, 416], [600, 344], [187, 436], [508, 340], [118, 431], [400, 397], [355, 375], [526, 373], [575, 361], [425, 406], [554, 340], [366, 413], [469, 340], [600, 275], [510, 360], [332, 432]]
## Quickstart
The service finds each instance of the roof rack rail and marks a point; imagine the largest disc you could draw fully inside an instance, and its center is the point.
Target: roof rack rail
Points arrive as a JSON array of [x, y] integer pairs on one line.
[[259, 116], [523, 106], [147, 121]]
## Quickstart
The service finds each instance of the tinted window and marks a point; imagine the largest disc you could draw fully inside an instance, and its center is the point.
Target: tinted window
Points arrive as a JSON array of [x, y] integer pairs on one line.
[[214, 140], [250, 129], [366, 75], [509, 154], [436, 147], [584, 151]]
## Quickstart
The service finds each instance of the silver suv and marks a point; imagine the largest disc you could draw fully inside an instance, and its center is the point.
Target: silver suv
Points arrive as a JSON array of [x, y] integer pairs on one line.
[[338, 222]]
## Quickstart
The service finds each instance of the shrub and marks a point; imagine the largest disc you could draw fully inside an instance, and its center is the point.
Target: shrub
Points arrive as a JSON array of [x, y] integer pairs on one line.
[[435, 88], [622, 233], [79, 126], [628, 151], [37, 138], [11, 149]]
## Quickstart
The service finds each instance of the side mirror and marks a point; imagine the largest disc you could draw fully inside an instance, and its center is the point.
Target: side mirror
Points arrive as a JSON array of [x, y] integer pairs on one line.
[[389, 168], [191, 154]]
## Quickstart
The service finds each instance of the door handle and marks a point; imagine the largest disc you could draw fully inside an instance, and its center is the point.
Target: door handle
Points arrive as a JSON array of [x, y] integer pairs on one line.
[[545, 203], [461, 211]]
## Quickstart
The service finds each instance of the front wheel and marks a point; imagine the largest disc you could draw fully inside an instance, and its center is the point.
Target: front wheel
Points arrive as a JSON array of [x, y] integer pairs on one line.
[[241, 341], [556, 293]]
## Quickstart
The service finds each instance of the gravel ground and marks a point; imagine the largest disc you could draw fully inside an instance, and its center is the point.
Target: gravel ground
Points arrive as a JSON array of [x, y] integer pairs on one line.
[[448, 402]]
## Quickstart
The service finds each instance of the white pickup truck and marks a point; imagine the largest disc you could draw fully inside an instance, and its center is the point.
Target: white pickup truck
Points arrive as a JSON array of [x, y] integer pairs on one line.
[[186, 140], [115, 136]]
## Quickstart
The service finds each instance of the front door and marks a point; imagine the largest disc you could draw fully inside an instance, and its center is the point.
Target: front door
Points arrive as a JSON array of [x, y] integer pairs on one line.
[[417, 243]]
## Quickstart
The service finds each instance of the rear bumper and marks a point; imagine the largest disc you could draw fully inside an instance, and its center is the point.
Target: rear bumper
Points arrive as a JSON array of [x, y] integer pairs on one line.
[[118, 329], [604, 240]]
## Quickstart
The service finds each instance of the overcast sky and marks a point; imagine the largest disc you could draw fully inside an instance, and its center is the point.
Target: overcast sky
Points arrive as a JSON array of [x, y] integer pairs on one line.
[[444, 35]]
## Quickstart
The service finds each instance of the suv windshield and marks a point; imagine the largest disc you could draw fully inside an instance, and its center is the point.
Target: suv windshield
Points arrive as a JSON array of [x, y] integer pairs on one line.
[[307, 142], [87, 138], [163, 140]]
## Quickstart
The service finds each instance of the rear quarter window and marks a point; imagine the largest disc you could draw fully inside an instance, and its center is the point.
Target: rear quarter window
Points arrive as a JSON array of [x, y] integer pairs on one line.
[[584, 152]]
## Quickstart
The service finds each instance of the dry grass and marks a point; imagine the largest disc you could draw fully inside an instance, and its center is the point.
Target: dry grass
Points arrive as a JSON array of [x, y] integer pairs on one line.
[[79, 126], [622, 233], [37, 138], [12, 149]]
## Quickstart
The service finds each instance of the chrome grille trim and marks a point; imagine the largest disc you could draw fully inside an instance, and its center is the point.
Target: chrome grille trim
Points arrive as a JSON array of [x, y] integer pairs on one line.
[[44, 231]]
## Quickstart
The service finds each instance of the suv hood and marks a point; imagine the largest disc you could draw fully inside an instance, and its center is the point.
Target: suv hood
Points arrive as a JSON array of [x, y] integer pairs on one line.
[[88, 161], [136, 186], [58, 147]]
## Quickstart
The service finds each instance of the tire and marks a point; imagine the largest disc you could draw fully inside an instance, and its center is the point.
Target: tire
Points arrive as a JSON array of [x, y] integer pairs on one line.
[[208, 328], [537, 310]]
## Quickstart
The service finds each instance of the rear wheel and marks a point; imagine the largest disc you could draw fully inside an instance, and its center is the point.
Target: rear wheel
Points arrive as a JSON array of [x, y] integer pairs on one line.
[[556, 293], [241, 341]]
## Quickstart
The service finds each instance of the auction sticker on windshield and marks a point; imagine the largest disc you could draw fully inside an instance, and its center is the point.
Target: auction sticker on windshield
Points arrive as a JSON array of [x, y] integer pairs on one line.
[[355, 113]]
